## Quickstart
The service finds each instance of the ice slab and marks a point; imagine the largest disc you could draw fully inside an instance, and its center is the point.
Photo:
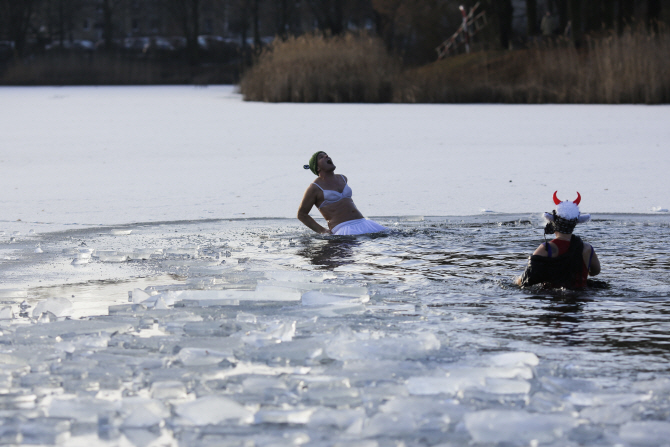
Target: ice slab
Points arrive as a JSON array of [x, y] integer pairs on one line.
[[212, 296], [300, 277], [298, 416], [57, 306], [6, 313], [82, 410], [350, 420], [120, 232], [652, 433], [502, 380], [314, 298], [610, 414], [45, 431], [590, 399], [517, 427], [395, 424], [365, 347], [213, 410], [304, 286], [202, 356], [515, 359], [169, 389]]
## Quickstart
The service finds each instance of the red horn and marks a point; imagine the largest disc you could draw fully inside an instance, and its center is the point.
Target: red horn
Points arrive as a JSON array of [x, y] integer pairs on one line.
[[578, 199], [556, 201]]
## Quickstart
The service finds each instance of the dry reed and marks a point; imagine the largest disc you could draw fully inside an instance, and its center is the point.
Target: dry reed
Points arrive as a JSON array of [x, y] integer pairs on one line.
[[631, 68], [317, 68]]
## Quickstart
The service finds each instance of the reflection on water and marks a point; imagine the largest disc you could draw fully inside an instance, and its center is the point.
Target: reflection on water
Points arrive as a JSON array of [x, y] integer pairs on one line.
[[329, 253]]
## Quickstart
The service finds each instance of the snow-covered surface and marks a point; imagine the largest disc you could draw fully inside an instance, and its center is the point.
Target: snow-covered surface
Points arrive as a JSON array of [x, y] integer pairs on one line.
[[110, 155]]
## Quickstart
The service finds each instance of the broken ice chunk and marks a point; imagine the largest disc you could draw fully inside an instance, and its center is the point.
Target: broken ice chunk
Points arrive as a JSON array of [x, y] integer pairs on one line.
[[363, 347], [120, 232], [276, 333], [244, 317], [45, 431], [169, 389], [588, 399], [289, 276], [82, 410], [112, 256], [517, 427], [213, 297], [140, 296], [293, 416], [506, 386], [314, 298], [610, 414], [342, 419], [142, 253], [444, 385], [143, 413], [201, 356], [6, 313], [58, 306], [650, 433], [515, 359], [394, 424], [210, 410]]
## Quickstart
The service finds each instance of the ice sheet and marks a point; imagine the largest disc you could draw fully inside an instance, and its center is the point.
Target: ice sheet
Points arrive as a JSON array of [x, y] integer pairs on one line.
[[173, 153]]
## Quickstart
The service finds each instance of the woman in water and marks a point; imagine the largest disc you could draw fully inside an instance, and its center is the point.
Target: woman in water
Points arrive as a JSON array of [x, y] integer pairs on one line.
[[331, 195], [565, 261]]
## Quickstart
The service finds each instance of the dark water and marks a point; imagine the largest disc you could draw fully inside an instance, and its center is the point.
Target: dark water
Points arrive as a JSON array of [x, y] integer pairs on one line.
[[470, 264], [446, 351]]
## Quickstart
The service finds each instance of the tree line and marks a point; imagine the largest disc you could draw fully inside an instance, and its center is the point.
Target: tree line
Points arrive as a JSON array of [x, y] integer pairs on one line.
[[409, 28]]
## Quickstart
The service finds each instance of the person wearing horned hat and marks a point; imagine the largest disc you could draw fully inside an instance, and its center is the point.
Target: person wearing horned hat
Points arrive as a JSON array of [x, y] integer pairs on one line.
[[565, 261], [331, 194]]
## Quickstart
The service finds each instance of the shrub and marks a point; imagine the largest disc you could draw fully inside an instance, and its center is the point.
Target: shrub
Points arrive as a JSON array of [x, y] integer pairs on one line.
[[318, 68], [631, 68]]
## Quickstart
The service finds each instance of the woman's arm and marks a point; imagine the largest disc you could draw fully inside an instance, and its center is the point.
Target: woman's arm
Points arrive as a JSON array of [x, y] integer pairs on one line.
[[308, 201], [594, 268]]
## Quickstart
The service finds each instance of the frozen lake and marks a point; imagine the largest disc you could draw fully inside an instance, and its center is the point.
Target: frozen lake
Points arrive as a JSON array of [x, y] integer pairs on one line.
[[156, 289], [113, 155]]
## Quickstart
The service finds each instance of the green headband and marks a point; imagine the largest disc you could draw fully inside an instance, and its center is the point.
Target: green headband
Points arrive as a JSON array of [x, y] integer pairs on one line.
[[312, 163]]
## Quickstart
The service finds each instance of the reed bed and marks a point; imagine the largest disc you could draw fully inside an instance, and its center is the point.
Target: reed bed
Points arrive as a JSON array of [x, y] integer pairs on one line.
[[318, 68], [615, 69]]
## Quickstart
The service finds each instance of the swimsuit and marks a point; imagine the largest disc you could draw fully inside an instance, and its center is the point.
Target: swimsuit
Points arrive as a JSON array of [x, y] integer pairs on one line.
[[357, 226], [331, 196], [350, 227], [565, 270], [563, 247]]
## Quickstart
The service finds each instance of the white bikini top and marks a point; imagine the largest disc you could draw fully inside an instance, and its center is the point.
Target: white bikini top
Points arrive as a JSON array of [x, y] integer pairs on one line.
[[332, 196]]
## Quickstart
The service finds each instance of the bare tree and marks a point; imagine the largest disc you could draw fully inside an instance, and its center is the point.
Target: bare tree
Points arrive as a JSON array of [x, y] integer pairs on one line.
[[329, 14], [653, 14], [531, 17], [285, 13], [16, 17], [187, 15], [110, 11], [61, 16]]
